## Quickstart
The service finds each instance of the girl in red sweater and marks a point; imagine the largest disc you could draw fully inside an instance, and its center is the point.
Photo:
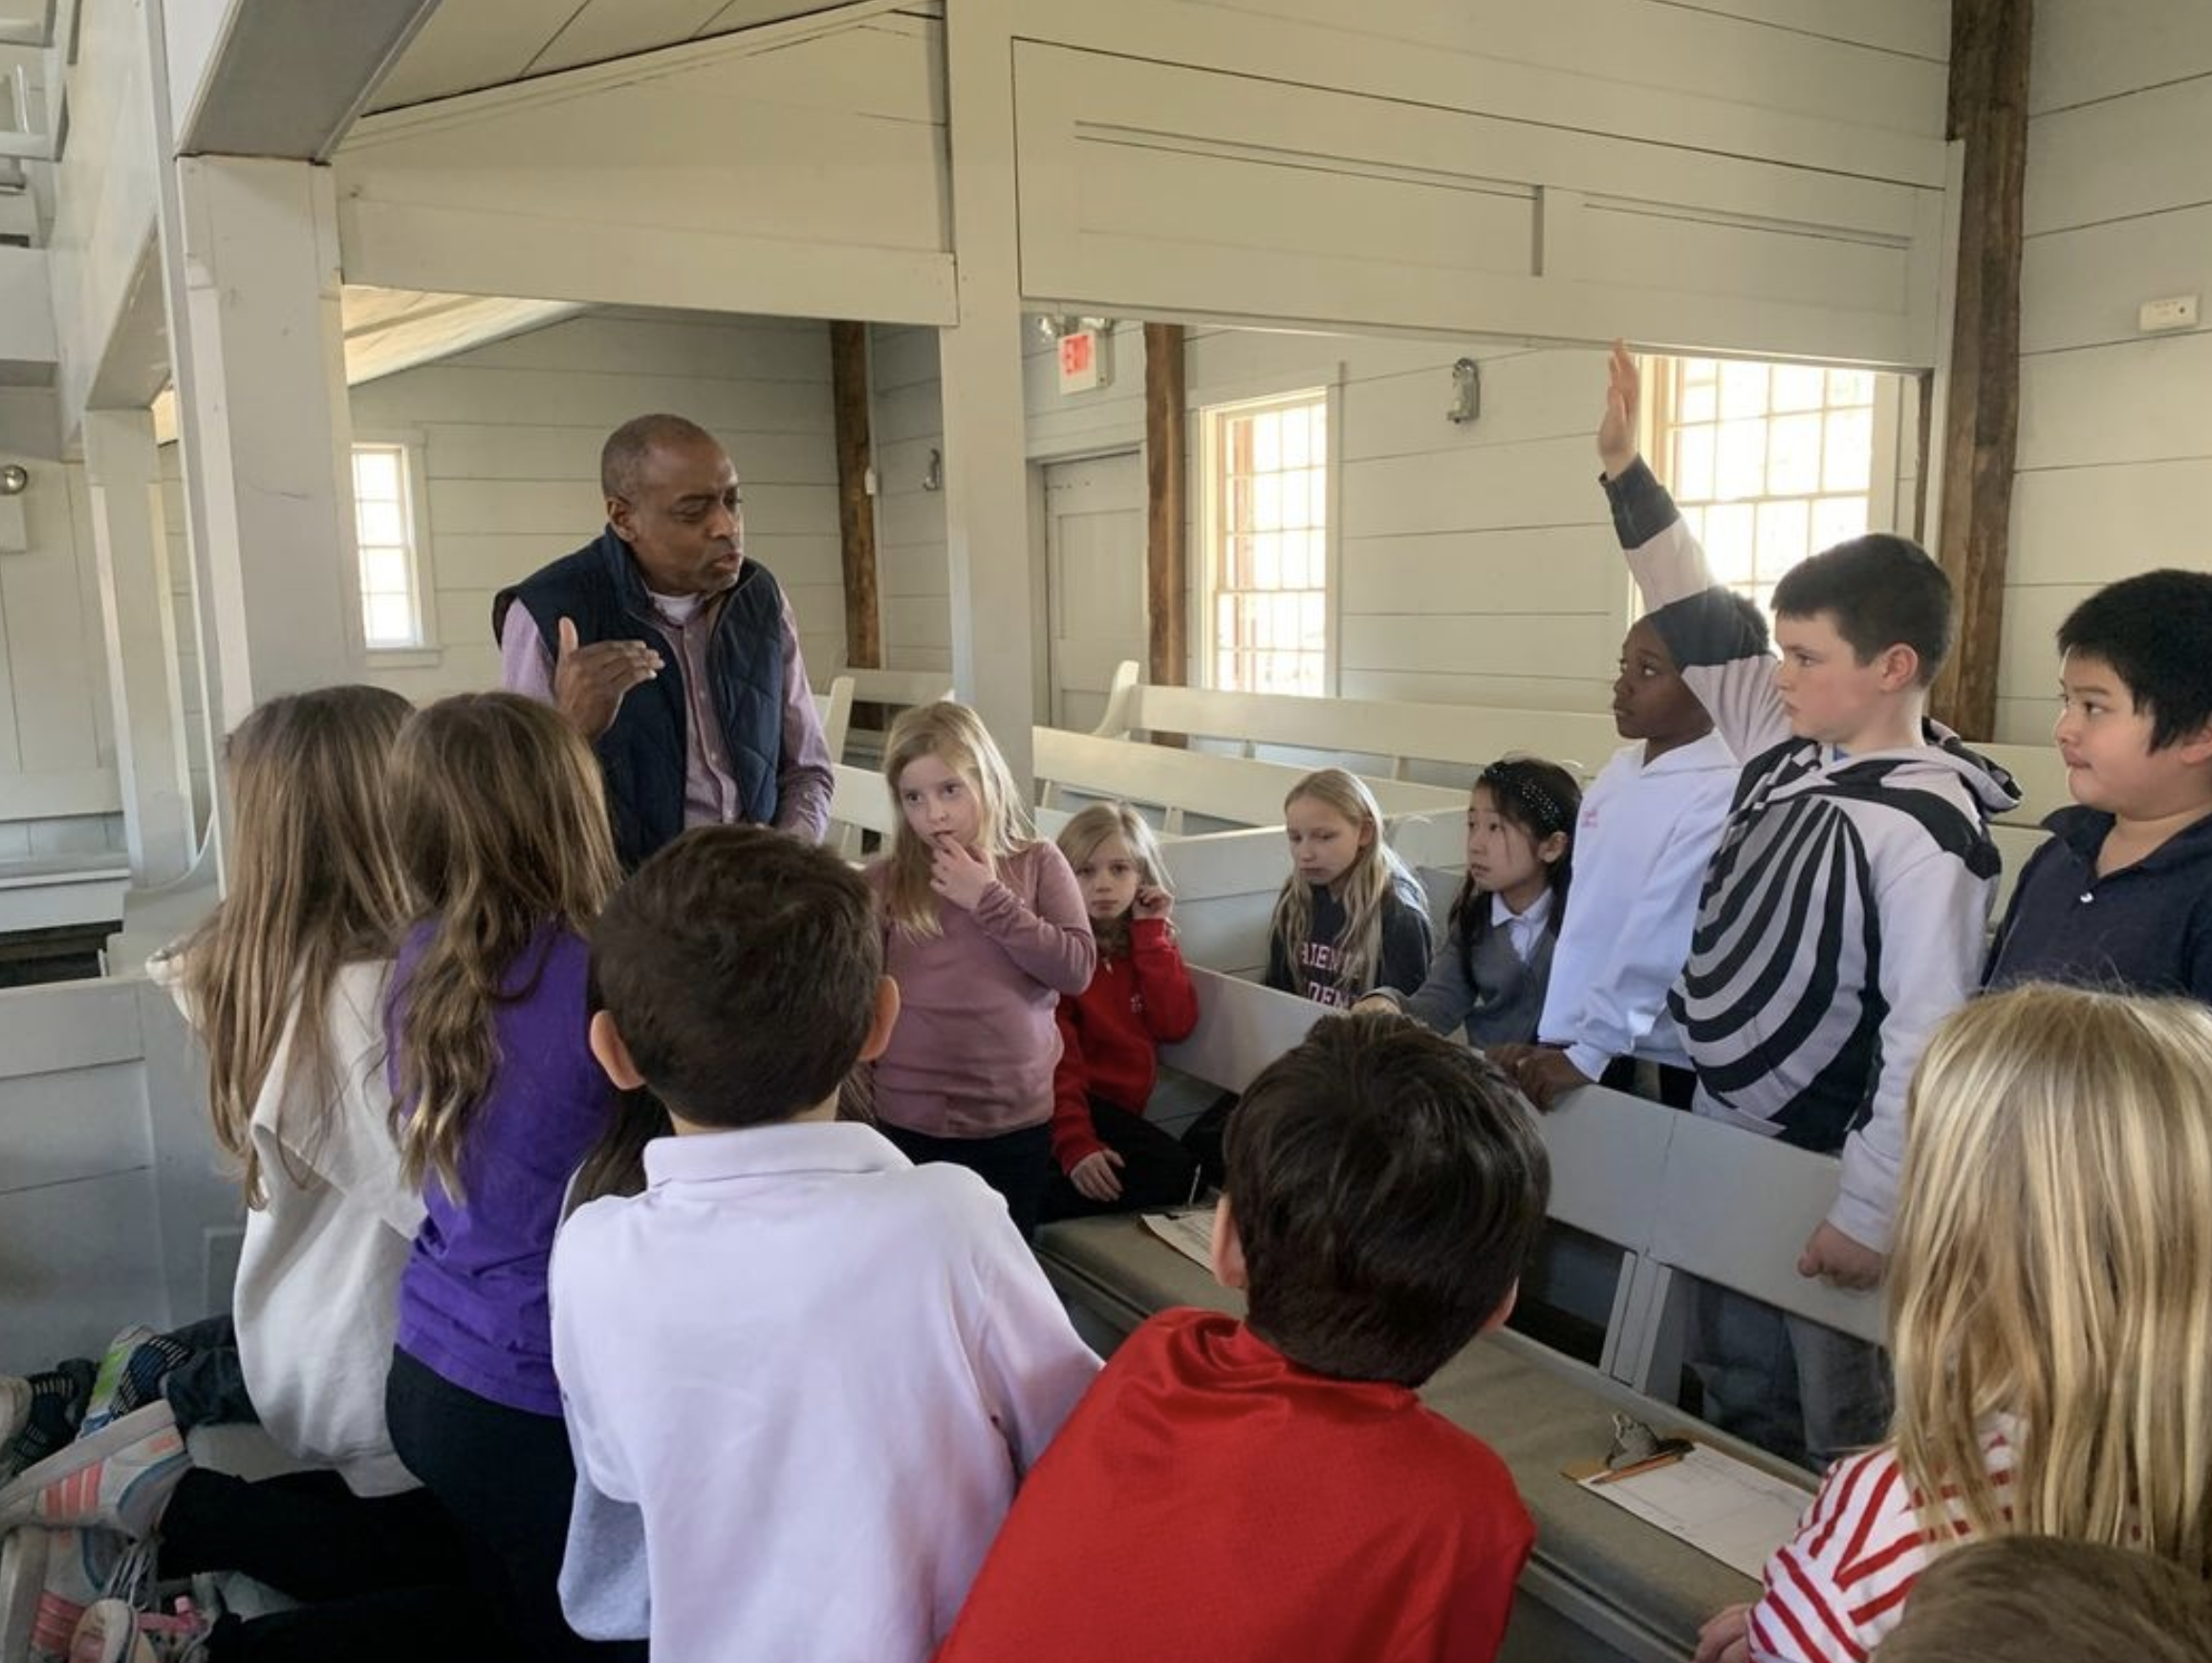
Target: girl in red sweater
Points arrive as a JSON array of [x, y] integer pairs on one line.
[[1110, 1158]]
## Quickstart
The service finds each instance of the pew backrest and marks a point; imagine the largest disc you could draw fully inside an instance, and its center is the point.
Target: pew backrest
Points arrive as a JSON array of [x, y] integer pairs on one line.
[[833, 709]]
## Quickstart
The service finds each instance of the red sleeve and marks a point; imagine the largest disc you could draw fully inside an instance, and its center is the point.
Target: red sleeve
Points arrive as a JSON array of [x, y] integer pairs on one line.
[[1075, 1134], [1170, 1002]]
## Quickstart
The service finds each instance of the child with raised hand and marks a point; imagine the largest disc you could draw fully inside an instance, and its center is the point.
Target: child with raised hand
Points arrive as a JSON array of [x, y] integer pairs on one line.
[[1648, 827], [818, 1371], [285, 984], [2051, 1291], [1350, 918], [1491, 969], [1273, 1488], [1842, 917], [984, 930], [2121, 894], [1110, 1159], [502, 830]]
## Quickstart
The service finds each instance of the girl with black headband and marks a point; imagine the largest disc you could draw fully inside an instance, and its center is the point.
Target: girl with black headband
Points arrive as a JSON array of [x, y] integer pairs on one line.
[[1491, 969]]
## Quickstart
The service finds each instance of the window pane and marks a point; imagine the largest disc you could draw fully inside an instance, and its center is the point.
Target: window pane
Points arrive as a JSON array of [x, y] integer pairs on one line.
[[380, 523], [1743, 390], [384, 572], [1740, 468], [1267, 442], [1729, 541], [1298, 439], [376, 474], [1798, 387], [1694, 463], [1267, 502], [1794, 455], [390, 621], [1700, 403], [1850, 450], [1782, 534], [1850, 387], [1836, 519]]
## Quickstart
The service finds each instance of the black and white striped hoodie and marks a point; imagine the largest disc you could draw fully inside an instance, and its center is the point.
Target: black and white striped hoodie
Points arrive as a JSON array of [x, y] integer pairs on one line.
[[1843, 915]]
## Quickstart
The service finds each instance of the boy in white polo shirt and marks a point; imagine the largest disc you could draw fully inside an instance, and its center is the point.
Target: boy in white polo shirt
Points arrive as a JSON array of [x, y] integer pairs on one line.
[[816, 1370]]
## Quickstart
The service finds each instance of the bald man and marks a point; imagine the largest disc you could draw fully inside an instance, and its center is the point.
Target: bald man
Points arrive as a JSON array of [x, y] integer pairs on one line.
[[677, 657]]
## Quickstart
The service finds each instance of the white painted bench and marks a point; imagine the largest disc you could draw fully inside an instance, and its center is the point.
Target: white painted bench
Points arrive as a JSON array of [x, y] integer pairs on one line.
[[834, 709], [1237, 791], [1674, 1196], [113, 1208], [62, 891], [861, 803], [895, 689]]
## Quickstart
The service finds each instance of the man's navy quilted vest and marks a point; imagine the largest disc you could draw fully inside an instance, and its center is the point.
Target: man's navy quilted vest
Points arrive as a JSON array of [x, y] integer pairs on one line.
[[598, 588]]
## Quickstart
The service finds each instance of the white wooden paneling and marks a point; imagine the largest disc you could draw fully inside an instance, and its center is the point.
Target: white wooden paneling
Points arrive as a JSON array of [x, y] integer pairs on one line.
[[798, 172], [510, 435], [2143, 401], [906, 415], [2121, 157], [2087, 50], [2070, 523], [1234, 195], [2081, 287]]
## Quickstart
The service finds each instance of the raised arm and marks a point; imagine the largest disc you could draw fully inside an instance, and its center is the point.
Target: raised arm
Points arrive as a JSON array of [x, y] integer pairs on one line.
[[1669, 567]]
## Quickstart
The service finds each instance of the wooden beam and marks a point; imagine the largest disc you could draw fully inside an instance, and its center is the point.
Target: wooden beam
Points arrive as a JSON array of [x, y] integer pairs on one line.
[[1166, 551], [856, 499], [1988, 111]]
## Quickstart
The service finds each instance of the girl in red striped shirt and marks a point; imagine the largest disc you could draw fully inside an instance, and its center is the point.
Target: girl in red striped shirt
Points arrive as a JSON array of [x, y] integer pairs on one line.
[[2050, 1318]]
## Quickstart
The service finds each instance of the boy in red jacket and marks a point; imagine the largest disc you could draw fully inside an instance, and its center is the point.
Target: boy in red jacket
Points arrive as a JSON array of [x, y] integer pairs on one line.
[[1109, 1158], [1273, 1488]]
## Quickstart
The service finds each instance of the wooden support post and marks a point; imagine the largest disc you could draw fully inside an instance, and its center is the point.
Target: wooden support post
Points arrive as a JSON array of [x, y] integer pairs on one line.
[[856, 503], [1166, 541], [1988, 111]]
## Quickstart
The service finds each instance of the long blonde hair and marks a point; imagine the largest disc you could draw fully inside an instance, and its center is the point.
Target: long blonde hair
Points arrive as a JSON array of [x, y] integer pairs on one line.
[[2053, 1263], [501, 822], [1080, 839], [1365, 889], [956, 737], [314, 886]]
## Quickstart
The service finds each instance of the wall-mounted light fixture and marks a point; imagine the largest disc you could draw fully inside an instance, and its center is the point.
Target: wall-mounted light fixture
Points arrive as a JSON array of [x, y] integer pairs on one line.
[[1466, 392], [14, 479], [933, 476], [1053, 326]]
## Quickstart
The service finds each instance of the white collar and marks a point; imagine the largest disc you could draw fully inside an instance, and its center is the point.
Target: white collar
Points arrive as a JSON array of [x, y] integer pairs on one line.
[[1538, 910]]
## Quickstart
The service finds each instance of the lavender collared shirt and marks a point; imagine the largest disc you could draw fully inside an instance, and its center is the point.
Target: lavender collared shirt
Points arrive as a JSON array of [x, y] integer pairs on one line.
[[805, 778]]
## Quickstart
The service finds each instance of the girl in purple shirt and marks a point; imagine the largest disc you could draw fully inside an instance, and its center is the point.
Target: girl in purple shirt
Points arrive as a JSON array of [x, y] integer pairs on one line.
[[502, 829]]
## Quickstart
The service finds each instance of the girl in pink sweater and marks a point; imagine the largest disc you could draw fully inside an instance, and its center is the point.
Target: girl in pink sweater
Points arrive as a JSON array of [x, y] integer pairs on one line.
[[984, 929]]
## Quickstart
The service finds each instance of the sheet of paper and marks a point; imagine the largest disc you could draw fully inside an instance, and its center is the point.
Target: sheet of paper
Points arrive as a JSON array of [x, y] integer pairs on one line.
[[1189, 1233], [1717, 1504]]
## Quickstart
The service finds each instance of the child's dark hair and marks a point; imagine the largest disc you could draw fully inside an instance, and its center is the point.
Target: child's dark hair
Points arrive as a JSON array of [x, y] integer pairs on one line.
[[2153, 630], [740, 968], [1540, 798], [1882, 591], [1388, 1186]]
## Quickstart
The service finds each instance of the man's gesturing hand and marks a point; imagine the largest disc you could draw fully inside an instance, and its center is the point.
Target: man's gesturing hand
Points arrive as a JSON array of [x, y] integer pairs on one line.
[[589, 682]]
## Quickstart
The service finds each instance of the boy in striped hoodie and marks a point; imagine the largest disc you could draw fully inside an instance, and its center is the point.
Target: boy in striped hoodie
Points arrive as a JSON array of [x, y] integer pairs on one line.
[[1842, 918]]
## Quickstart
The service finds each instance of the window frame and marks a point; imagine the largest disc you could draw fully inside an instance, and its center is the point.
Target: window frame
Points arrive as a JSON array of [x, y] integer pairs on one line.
[[1212, 418], [1887, 466], [427, 649]]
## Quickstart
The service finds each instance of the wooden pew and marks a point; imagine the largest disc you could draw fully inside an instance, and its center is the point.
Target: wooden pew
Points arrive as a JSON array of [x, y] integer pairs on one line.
[[1602, 1585], [861, 803], [1179, 782], [834, 706], [886, 689]]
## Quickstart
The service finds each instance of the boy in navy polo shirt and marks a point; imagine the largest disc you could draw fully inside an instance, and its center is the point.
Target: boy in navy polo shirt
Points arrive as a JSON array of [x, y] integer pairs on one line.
[[2121, 895]]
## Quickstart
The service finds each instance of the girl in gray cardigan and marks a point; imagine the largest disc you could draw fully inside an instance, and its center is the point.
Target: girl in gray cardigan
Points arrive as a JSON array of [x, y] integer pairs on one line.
[[1492, 969]]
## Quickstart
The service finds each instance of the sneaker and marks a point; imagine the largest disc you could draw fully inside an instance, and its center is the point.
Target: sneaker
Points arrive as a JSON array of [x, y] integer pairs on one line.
[[130, 1375], [22, 1580], [56, 1404], [81, 1568], [117, 1478], [113, 1630]]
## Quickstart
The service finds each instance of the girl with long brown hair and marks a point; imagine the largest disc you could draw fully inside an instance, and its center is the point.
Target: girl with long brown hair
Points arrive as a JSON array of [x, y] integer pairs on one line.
[[501, 826]]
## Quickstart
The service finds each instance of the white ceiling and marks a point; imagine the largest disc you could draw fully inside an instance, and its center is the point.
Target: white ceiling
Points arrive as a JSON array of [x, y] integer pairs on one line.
[[471, 44], [390, 330]]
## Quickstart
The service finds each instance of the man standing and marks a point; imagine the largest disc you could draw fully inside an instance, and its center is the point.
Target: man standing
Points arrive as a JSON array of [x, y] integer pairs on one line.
[[677, 657]]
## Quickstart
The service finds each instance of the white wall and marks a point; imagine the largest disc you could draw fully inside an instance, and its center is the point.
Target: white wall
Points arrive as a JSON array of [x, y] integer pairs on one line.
[[907, 420], [2115, 429]]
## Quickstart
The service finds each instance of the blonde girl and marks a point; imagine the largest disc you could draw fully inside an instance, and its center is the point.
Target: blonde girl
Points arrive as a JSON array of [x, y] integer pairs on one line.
[[2050, 1317], [984, 929], [1350, 918], [1110, 1158], [501, 826]]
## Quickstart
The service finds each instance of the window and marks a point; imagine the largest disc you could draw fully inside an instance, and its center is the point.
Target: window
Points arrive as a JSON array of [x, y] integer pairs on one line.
[[1770, 463], [392, 612], [1266, 554]]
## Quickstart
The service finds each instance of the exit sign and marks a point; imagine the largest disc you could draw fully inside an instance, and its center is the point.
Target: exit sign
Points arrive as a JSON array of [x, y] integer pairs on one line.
[[1085, 361]]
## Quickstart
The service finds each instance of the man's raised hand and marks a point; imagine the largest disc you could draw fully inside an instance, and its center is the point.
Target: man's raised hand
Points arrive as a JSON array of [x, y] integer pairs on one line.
[[589, 682]]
